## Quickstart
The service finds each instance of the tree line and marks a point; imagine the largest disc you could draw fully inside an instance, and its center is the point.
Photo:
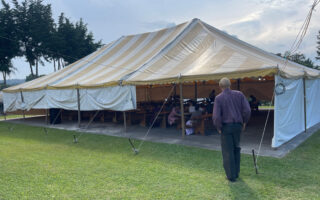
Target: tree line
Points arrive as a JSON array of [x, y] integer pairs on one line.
[[28, 30]]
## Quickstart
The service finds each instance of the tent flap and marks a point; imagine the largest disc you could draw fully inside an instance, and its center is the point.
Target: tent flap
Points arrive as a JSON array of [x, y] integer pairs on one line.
[[118, 98]]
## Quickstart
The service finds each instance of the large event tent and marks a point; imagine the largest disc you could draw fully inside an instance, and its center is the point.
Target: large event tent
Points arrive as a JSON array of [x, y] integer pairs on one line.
[[109, 78]]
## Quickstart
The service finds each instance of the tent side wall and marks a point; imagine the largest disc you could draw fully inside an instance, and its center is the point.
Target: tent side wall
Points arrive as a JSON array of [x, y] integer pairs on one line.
[[118, 98], [289, 110], [313, 99]]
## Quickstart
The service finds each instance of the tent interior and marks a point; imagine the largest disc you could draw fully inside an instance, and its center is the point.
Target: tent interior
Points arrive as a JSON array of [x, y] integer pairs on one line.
[[151, 96]]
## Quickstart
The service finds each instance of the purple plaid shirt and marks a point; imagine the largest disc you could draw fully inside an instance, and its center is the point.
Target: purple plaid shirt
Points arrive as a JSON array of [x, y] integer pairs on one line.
[[230, 106]]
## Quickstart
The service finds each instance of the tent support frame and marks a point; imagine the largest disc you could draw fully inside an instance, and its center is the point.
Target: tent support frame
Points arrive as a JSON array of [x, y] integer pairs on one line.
[[22, 99], [125, 121], [195, 91], [305, 105], [47, 116], [79, 113], [182, 113]]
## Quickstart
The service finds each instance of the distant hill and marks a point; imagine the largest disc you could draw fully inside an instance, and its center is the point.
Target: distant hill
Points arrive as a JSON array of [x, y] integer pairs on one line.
[[13, 81]]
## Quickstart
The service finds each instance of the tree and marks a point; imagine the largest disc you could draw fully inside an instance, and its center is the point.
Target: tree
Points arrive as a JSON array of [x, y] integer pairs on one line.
[[9, 46], [70, 42], [6, 69], [298, 58], [34, 25]]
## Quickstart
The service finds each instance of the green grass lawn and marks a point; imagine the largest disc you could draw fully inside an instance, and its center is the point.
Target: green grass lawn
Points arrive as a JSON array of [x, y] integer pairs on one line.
[[36, 165]]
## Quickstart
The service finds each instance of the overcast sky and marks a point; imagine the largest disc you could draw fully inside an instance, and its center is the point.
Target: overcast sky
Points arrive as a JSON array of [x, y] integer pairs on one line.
[[271, 25]]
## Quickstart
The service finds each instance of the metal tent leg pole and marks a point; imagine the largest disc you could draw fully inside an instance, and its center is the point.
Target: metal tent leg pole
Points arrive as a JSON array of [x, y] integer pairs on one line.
[[22, 100], [79, 114], [195, 91], [125, 121], [182, 113], [47, 116], [305, 105]]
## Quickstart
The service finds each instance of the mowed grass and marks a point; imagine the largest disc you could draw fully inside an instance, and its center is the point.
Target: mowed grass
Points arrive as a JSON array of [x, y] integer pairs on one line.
[[36, 165]]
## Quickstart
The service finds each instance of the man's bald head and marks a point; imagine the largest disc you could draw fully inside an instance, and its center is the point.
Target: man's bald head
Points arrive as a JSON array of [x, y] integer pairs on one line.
[[224, 83]]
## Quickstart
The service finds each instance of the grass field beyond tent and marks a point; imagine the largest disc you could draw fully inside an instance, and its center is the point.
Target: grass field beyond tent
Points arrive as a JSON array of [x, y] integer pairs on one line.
[[39, 165]]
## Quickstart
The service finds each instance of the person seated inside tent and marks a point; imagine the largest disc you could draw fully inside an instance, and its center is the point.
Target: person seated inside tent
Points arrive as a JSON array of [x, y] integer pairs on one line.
[[212, 96], [194, 121], [202, 108], [209, 106], [191, 107], [254, 103], [174, 115]]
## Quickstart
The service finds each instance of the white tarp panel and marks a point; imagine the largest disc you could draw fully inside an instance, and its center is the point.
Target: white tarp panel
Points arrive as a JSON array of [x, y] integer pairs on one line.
[[289, 111], [118, 98], [313, 102]]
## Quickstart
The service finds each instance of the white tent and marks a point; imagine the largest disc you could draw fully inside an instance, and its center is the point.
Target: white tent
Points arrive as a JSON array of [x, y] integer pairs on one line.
[[192, 51]]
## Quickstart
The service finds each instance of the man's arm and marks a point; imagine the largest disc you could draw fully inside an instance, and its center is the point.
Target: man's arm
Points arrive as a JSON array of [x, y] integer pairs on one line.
[[216, 115], [246, 110]]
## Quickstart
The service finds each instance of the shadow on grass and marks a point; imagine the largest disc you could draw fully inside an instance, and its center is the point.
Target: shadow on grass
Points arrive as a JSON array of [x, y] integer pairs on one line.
[[241, 190]]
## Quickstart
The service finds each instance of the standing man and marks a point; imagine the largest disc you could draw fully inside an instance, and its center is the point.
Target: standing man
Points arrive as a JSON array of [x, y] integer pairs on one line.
[[231, 112]]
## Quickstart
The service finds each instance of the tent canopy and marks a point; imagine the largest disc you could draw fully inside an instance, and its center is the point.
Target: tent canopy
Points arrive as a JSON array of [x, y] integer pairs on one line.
[[190, 51]]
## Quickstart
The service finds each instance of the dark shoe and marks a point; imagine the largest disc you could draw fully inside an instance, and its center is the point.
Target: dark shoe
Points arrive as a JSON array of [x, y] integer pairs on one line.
[[231, 179]]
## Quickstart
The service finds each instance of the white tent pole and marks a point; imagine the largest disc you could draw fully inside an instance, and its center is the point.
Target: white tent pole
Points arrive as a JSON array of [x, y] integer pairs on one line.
[[305, 105], [79, 114]]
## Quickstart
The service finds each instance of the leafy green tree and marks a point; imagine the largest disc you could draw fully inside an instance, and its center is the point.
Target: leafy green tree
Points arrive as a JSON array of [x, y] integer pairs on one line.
[[75, 39], [70, 42], [34, 25], [298, 58], [9, 47], [6, 69]]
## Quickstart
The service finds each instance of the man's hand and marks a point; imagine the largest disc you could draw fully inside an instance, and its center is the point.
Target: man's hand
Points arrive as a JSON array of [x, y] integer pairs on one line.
[[219, 131], [243, 127]]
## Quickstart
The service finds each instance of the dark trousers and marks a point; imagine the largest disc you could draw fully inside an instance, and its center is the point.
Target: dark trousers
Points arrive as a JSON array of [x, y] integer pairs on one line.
[[230, 145]]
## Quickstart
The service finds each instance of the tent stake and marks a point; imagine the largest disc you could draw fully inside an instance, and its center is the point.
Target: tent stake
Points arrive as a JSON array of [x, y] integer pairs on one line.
[[254, 161], [136, 151]]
